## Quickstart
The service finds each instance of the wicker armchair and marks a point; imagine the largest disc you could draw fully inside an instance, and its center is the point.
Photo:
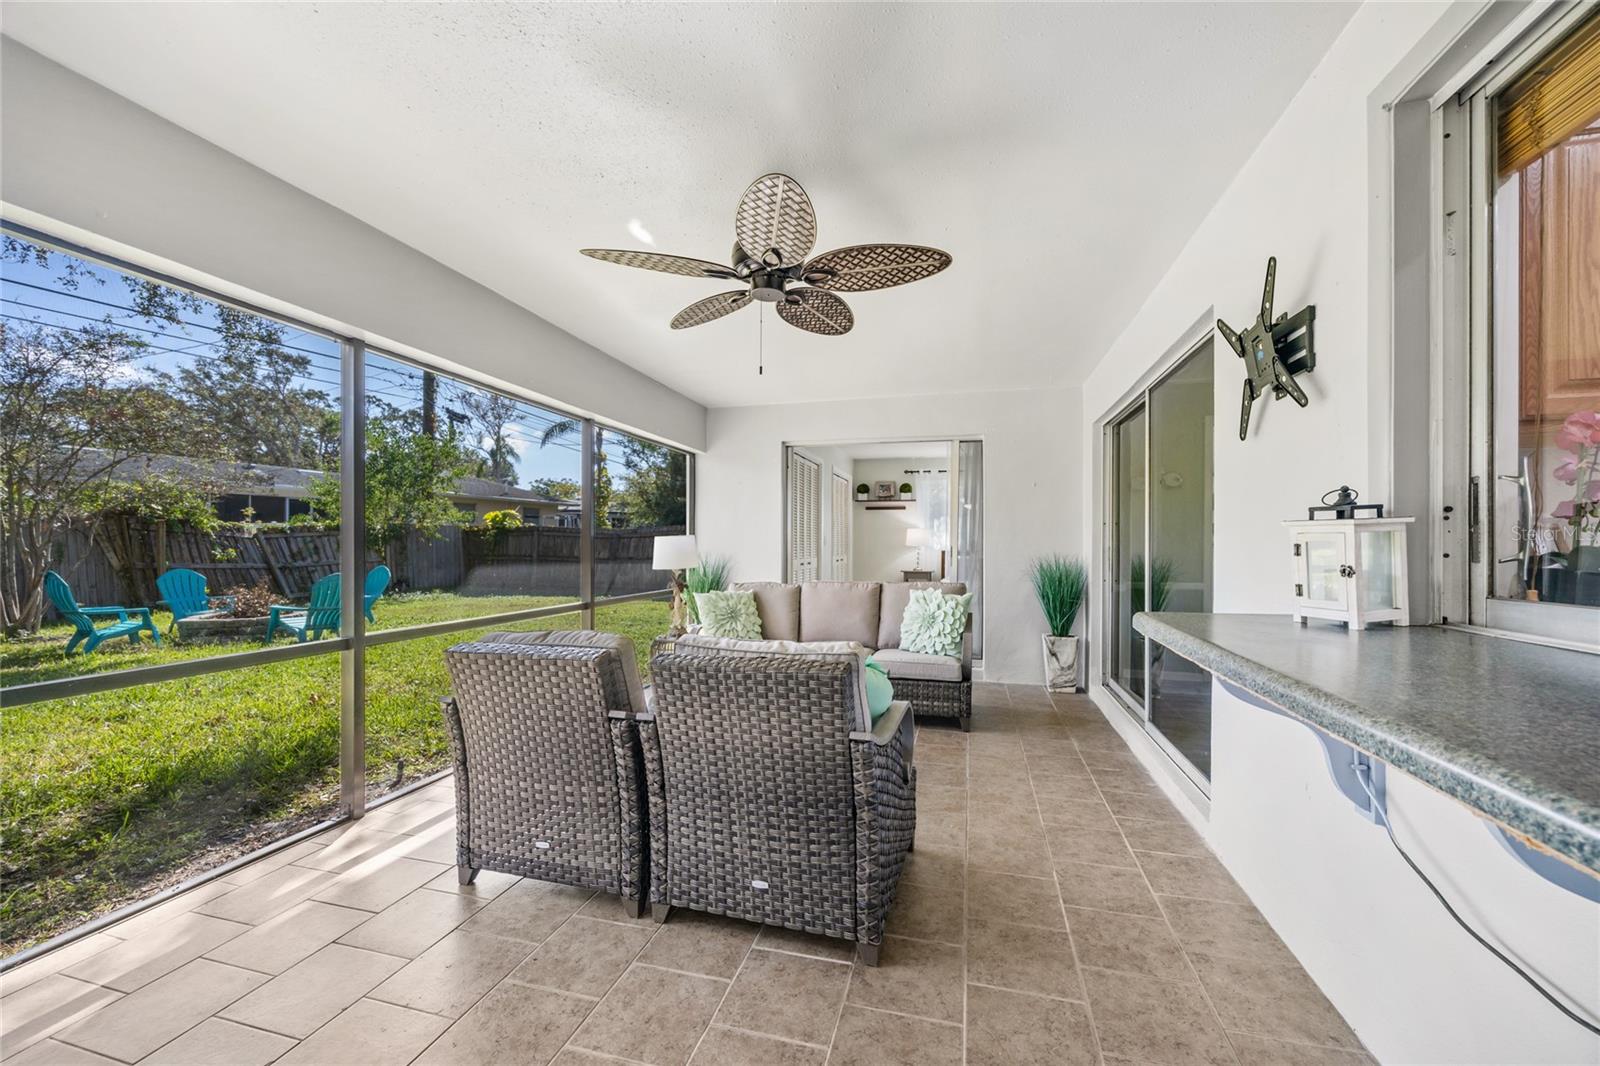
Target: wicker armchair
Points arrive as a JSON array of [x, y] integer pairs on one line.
[[772, 795], [549, 782]]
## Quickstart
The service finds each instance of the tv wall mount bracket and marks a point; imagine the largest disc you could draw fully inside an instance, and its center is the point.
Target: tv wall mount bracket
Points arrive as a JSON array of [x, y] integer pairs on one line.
[[1273, 351]]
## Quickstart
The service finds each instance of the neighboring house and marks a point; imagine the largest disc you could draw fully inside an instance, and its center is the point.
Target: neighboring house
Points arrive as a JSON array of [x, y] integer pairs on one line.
[[478, 496], [277, 493]]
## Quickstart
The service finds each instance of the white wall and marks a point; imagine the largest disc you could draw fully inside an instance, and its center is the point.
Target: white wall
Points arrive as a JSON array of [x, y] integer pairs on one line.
[[1413, 985], [880, 551], [87, 165], [1032, 489]]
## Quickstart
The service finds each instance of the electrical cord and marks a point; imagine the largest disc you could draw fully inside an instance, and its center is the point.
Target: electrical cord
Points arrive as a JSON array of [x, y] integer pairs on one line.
[[1362, 775]]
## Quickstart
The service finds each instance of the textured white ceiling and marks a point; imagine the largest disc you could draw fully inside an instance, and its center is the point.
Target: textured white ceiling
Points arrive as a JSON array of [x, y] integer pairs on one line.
[[1062, 153]]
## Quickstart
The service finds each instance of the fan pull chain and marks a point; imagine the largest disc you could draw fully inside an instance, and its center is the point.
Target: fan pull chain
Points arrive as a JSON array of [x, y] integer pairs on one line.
[[761, 340]]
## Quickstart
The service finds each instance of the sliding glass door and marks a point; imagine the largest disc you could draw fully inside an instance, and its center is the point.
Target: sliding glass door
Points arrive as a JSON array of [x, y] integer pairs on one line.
[[1125, 572], [1159, 549]]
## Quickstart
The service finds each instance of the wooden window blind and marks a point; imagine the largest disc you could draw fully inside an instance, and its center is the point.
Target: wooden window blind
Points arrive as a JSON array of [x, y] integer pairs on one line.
[[1556, 98]]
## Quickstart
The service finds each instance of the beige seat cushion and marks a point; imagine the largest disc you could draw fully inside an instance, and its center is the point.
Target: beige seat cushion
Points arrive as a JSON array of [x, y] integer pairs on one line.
[[817, 651], [915, 666], [840, 610], [779, 607], [585, 638], [896, 594]]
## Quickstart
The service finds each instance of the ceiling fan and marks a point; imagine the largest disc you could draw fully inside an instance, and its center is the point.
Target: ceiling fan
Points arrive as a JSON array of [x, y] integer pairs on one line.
[[775, 229]]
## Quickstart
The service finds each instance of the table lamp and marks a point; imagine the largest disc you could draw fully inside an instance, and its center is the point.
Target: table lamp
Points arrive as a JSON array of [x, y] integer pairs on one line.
[[917, 537], [676, 554]]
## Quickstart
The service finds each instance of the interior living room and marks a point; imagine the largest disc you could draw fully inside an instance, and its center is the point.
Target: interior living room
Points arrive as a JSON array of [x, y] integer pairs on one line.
[[1138, 603]]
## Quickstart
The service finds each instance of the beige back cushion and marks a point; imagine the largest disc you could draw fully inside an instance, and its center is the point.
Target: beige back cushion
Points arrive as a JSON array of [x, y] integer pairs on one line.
[[584, 638], [840, 610], [896, 594], [779, 607], [821, 651]]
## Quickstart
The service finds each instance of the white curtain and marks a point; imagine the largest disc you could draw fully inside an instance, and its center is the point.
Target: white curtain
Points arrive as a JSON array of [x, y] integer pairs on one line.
[[933, 514]]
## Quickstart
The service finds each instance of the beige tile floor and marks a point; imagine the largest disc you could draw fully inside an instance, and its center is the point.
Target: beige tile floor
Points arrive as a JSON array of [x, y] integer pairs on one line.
[[1056, 910]]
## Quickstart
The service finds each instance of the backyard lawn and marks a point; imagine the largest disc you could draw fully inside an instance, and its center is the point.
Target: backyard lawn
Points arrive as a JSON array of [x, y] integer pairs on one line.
[[107, 797]]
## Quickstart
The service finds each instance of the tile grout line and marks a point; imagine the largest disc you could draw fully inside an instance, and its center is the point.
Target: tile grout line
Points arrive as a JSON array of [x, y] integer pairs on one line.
[[1171, 931], [57, 1034], [1061, 905], [507, 978], [710, 1021], [966, 890], [913, 1017], [766, 1036], [1026, 992]]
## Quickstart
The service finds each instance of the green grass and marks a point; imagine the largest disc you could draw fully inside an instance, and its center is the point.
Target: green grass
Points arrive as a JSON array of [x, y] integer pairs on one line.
[[106, 797]]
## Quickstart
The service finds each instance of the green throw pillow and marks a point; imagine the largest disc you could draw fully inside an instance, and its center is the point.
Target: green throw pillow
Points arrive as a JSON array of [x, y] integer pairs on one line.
[[729, 614], [880, 690], [934, 623]]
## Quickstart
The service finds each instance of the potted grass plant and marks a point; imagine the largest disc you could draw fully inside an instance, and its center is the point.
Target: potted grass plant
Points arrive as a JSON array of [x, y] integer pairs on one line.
[[710, 576], [1059, 582]]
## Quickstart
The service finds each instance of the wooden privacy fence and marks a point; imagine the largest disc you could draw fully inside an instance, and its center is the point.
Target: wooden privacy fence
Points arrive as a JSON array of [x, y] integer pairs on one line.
[[120, 565]]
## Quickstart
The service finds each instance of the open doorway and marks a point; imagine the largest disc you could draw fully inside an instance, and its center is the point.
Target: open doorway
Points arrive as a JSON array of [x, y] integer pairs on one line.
[[886, 511]]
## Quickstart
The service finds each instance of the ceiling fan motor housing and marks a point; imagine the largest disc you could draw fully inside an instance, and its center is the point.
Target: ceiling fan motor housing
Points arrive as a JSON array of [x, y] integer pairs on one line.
[[767, 285]]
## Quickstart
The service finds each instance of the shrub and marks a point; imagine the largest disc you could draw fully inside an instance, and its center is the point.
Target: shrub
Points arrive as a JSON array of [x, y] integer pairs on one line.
[[252, 601], [495, 521]]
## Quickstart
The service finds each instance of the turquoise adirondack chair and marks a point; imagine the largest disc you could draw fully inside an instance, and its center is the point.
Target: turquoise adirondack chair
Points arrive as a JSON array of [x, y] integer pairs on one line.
[[377, 584], [131, 621], [185, 593], [320, 616]]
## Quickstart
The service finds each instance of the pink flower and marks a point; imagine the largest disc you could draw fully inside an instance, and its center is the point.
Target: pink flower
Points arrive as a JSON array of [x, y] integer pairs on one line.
[[1564, 509], [1566, 472], [1580, 428], [1592, 490]]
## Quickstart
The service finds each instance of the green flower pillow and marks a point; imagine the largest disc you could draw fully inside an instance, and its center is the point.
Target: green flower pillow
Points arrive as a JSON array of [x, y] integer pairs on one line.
[[934, 623], [728, 614]]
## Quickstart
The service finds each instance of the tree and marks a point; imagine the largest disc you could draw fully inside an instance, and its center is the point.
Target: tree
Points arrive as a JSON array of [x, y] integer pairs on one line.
[[571, 427], [249, 386], [556, 488], [492, 417], [409, 478], [76, 407], [657, 490]]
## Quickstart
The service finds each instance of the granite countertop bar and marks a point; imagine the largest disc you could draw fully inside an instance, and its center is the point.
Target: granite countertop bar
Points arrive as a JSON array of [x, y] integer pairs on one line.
[[1508, 728]]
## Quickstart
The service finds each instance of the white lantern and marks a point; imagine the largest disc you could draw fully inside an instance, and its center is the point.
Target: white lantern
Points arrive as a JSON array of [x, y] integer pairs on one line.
[[1350, 570]]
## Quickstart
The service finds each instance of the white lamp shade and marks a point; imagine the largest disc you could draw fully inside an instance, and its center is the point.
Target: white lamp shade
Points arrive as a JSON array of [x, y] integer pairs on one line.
[[916, 537], [676, 553]]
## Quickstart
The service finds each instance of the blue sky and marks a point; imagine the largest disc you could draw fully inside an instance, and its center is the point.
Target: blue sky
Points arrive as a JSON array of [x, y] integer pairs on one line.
[[33, 293]]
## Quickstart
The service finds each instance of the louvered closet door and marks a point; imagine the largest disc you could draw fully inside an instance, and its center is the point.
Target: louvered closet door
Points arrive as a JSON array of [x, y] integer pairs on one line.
[[805, 517], [841, 528]]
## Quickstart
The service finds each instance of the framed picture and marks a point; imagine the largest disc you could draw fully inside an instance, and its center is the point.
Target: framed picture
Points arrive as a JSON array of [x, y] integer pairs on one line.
[[883, 490]]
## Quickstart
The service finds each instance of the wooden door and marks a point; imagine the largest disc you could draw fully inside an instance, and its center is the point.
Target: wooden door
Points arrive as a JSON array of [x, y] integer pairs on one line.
[[1560, 280]]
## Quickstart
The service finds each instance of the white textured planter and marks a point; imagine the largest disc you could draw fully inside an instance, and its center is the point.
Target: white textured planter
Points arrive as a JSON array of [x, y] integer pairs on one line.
[[1061, 663]]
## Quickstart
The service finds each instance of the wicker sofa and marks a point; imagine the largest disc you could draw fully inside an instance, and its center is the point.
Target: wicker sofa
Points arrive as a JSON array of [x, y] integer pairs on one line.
[[772, 795], [548, 773], [869, 613]]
